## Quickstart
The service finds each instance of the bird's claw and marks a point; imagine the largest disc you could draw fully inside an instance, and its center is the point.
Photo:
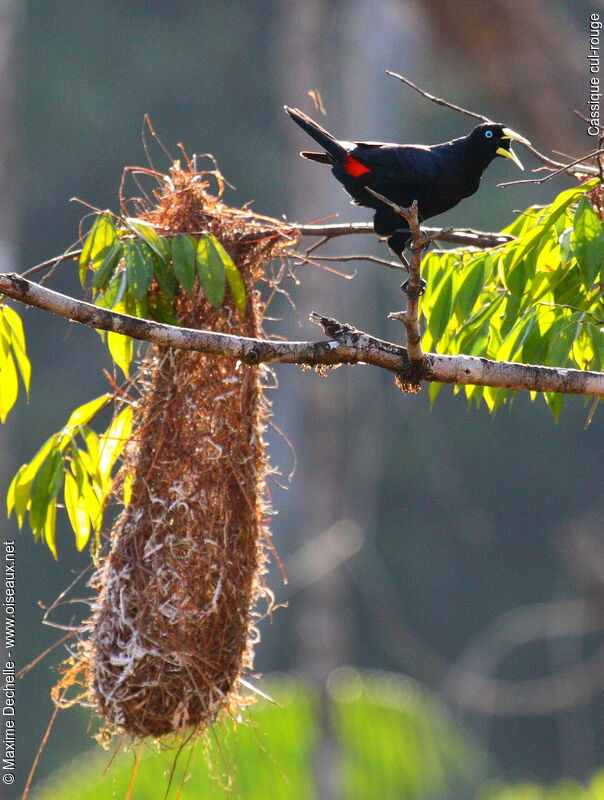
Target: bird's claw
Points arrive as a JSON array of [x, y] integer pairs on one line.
[[417, 293], [420, 248]]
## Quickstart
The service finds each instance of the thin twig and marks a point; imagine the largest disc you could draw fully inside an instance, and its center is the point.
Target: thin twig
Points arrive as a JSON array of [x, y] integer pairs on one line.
[[553, 174], [438, 100], [571, 169], [372, 259], [52, 262]]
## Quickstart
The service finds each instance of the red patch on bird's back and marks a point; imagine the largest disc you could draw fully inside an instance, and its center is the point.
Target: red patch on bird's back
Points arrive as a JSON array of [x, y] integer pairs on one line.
[[354, 167]]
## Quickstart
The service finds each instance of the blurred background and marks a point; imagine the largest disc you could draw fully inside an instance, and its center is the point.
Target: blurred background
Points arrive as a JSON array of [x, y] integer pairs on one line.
[[461, 551]]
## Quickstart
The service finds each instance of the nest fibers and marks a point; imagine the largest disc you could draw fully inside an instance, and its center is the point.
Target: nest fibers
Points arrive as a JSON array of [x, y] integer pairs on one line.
[[172, 627]]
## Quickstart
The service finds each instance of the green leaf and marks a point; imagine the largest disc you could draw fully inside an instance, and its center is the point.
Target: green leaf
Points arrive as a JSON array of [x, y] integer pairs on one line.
[[165, 278], [146, 232], [554, 401], [103, 275], [536, 345], [9, 385], [46, 485], [587, 242], [139, 260], [563, 334], [494, 398], [597, 340], [97, 244], [92, 442], [161, 309], [523, 270], [13, 325], [77, 511], [50, 528], [565, 245], [17, 496], [441, 310], [523, 222], [211, 271], [434, 391], [472, 284], [114, 292], [19, 491], [547, 221], [233, 276], [121, 348], [501, 326], [93, 504], [519, 334], [84, 413], [112, 443], [183, 259]]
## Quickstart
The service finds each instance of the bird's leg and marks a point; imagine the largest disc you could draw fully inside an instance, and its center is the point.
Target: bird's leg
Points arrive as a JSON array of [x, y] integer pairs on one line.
[[398, 243], [405, 286], [418, 293]]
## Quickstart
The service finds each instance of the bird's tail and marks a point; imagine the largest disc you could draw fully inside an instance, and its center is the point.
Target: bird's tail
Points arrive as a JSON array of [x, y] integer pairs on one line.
[[322, 158], [319, 134]]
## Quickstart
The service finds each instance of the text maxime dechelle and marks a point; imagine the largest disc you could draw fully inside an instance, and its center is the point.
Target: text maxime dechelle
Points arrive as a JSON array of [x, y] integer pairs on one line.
[[594, 79], [8, 667]]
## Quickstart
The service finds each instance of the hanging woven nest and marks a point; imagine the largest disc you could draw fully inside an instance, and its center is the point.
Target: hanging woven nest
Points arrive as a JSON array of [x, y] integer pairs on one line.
[[173, 624]]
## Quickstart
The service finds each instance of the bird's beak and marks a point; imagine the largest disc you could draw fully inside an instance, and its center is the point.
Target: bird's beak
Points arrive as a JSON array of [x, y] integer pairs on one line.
[[501, 151], [508, 133]]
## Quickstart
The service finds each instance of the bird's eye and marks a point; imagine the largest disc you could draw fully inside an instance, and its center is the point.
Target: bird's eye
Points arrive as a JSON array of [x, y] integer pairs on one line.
[[488, 134]]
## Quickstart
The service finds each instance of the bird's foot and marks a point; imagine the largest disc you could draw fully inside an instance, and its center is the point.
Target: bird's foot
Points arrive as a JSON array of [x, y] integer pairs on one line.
[[417, 292], [420, 248]]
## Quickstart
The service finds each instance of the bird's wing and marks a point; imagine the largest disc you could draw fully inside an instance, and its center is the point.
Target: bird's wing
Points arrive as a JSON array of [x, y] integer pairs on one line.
[[409, 163]]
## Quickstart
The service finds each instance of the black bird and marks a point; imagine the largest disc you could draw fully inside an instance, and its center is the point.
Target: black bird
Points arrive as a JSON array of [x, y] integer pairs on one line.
[[438, 176]]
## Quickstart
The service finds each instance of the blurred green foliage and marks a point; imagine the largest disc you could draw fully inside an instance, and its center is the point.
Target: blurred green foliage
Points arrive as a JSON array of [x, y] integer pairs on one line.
[[393, 739], [564, 790]]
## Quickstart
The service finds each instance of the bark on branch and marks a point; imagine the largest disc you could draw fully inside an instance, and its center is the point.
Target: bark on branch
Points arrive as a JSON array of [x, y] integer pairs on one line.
[[459, 236], [346, 346]]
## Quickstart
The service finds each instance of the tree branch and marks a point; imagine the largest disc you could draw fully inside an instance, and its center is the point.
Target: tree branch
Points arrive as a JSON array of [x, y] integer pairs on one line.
[[349, 346], [462, 236], [252, 351]]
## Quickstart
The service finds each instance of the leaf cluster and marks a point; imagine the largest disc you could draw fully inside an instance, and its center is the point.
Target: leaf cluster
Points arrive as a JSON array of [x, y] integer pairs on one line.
[[81, 464], [138, 272], [538, 299]]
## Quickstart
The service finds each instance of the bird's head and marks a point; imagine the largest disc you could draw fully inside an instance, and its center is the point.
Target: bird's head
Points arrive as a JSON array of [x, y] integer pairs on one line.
[[491, 139]]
